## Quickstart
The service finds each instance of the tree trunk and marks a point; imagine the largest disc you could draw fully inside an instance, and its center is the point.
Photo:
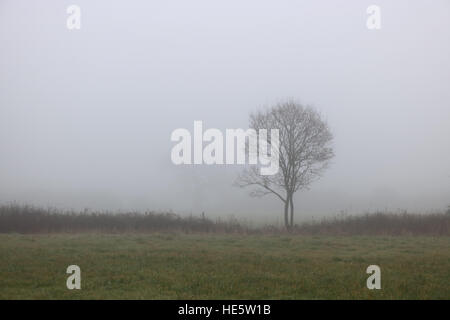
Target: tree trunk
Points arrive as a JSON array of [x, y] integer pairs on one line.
[[286, 214], [291, 202]]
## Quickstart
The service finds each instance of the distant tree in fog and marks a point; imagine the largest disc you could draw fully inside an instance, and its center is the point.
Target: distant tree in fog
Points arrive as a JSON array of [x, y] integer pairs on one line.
[[304, 152]]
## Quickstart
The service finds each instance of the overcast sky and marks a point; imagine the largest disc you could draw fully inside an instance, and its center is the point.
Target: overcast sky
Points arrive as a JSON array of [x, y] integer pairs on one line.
[[86, 115]]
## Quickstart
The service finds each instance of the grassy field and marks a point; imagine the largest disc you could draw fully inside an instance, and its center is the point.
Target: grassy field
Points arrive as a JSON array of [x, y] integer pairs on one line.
[[205, 266]]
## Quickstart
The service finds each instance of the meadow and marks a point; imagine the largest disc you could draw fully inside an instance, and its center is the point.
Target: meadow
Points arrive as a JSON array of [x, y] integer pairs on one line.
[[174, 265]]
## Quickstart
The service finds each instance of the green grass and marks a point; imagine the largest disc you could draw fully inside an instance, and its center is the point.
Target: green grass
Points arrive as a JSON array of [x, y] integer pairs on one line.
[[179, 266]]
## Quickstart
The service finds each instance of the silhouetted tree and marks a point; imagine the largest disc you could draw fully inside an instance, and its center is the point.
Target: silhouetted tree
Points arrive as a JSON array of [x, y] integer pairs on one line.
[[304, 152]]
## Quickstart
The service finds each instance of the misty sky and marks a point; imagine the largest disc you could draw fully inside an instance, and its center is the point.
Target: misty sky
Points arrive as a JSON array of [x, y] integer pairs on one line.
[[86, 115]]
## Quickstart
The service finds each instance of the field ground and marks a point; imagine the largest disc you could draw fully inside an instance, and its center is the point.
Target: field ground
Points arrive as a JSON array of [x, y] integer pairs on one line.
[[214, 266]]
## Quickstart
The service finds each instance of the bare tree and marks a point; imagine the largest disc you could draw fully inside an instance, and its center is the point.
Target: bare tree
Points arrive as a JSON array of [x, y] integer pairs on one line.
[[304, 151]]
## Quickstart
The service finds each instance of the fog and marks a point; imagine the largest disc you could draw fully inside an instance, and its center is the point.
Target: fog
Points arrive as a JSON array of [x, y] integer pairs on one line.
[[86, 115]]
